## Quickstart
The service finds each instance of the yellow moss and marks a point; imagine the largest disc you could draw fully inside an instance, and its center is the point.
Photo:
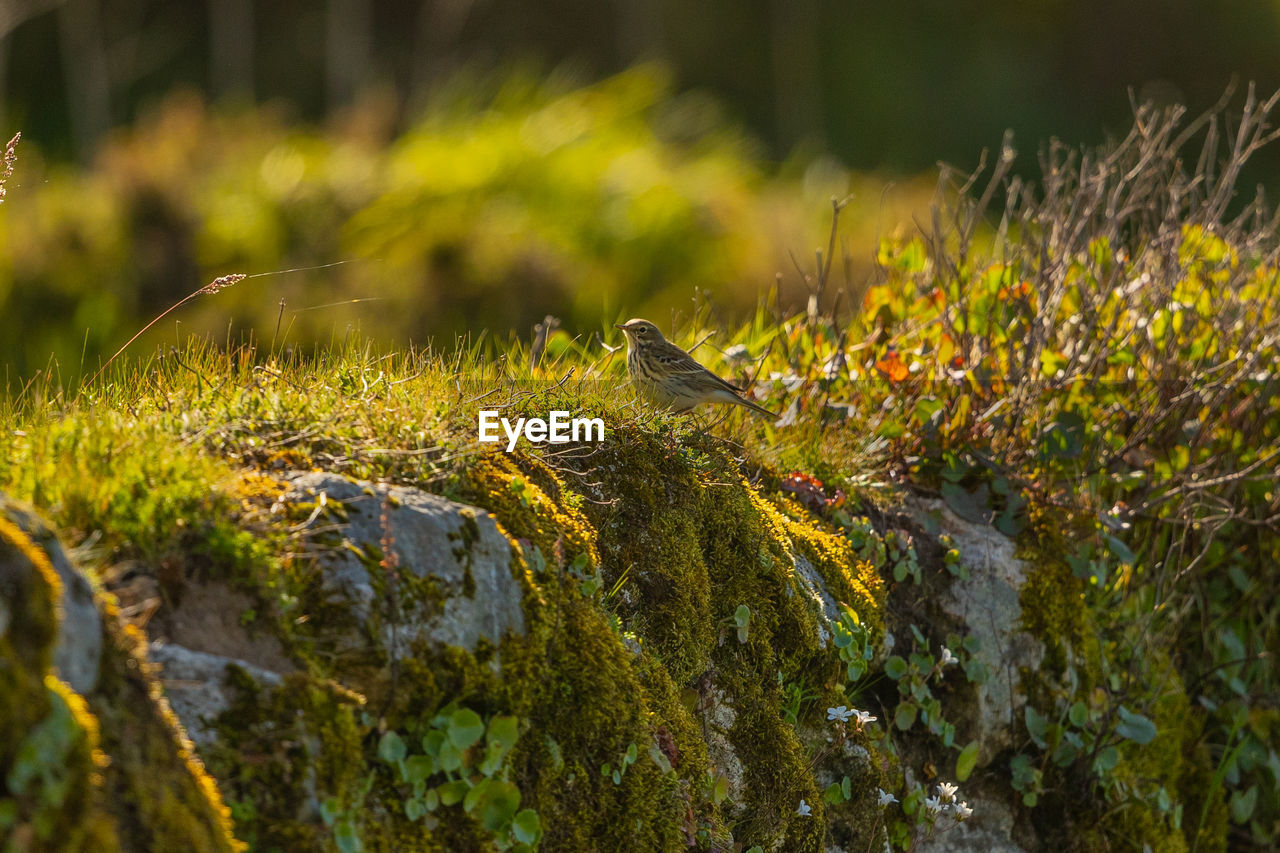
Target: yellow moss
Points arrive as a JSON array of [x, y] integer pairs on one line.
[[854, 582], [525, 496], [15, 538], [175, 804], [258, 489]]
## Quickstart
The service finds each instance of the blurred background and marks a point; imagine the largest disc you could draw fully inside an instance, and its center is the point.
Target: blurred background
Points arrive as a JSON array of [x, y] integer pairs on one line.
[[478, 164]]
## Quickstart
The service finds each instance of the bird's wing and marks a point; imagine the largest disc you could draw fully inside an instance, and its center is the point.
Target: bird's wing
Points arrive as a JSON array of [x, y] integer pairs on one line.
[[679, 363]]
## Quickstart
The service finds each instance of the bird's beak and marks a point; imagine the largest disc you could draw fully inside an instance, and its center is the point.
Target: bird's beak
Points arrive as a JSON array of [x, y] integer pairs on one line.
[[619, 326]]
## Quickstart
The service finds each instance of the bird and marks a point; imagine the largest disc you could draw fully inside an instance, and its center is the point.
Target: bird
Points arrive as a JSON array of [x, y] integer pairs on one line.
[[670, 377]]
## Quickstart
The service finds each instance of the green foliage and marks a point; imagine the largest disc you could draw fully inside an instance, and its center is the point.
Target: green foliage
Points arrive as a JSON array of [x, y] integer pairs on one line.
[[853, 642], [507, 201], [452, 769]]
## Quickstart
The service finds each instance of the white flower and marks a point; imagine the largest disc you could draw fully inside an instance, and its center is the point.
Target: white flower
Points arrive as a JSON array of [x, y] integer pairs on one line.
[[886, 799], [804, 810], [961, 810], [933, 805], [840, 713], [864, 717], [948, 658], [946, 792]]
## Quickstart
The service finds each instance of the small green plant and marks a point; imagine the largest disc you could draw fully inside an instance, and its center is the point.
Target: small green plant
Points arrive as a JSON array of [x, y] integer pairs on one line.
[[616, 773], [838, 792], [1088, 733], [464, 762], [912, 675], [853, 642], [795, 696], [901, 553]]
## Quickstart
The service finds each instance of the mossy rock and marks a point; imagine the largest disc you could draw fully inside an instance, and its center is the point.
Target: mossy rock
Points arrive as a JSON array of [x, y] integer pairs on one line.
[[109, 770]]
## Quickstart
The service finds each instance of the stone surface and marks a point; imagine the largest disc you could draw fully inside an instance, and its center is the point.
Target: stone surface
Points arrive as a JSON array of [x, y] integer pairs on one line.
[[718, 718], [77, 654], [813, 587], [459, 546], [196, 685], [989, 830], [987, 603]]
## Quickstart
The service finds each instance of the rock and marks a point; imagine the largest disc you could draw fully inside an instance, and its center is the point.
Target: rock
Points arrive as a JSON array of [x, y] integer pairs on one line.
[[78, 650], [718, 718], [209, 617], [988, 605], [813, 587], [197, 686], [475, 594], [989, 830], [102, 769]]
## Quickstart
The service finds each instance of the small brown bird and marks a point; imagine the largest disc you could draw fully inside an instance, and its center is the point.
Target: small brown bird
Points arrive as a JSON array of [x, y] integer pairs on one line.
[[669, 376]]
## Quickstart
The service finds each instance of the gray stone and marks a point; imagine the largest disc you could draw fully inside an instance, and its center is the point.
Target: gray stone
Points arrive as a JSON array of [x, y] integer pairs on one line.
[[459, 546], [987, 603], [814, 589], [988, 830], [718, 717], [197, 687]]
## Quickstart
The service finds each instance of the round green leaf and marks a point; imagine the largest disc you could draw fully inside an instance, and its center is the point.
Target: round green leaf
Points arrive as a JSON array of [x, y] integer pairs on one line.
[[1135, 727], [452, 793], [450, 757], [1106, 761], [475, 795], [526, 827], [503, 731], [1037, 725], [1243, 803], [391, 748], [499, 806], [465, 728], [418, 768], [895, 667]]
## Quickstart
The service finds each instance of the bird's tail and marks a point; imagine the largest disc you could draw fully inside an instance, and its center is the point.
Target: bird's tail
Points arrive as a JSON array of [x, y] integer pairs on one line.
[[759, 410]]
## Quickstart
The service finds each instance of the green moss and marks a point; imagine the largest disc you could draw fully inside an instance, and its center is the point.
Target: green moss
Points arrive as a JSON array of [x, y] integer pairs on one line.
[[99, 772], [49, 757], [529, 501], [281, 752], [158, 788]]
